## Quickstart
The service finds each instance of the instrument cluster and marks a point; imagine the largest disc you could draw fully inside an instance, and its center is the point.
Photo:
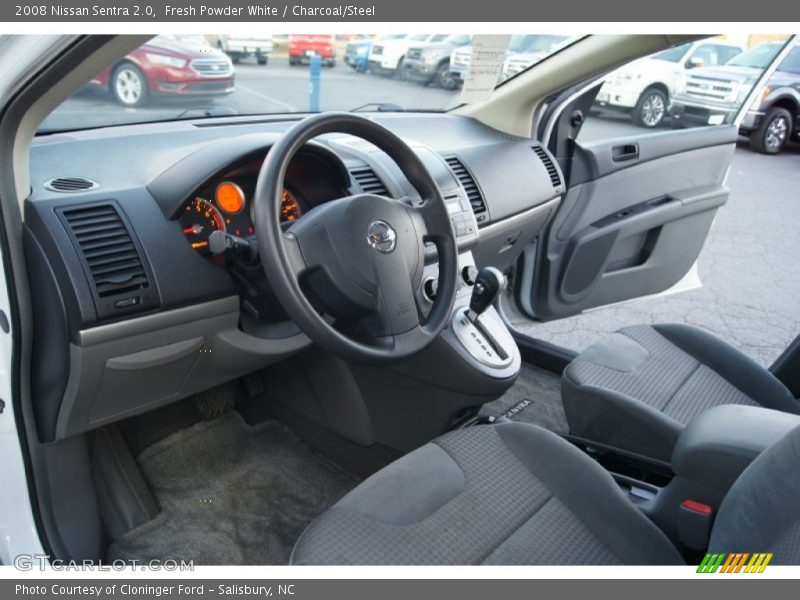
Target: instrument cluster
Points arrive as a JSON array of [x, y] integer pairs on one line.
[[228, 206]]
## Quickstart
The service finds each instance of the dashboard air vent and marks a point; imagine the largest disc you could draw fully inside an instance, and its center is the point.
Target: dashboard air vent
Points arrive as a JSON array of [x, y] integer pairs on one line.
[[369, 181], [70, 184], [555, 178], [470, 187], [110, 257]]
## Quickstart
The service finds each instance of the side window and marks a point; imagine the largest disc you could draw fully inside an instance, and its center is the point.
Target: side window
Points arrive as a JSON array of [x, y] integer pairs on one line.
[[791, 64], [706, 55], [681, 87]]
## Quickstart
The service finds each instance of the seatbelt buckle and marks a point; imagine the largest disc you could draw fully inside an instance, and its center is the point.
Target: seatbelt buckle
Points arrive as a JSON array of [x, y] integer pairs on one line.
[[694, 524]]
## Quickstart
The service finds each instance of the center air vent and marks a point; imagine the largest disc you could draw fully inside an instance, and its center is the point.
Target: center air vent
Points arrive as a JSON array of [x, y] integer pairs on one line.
[[552, 171], [111, 258], [369, 182], [470, 187], [70, 184]]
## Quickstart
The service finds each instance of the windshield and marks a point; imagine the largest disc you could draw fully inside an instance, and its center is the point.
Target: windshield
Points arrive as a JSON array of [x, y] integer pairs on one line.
[[185, 76], [757, 58], [672, 54]]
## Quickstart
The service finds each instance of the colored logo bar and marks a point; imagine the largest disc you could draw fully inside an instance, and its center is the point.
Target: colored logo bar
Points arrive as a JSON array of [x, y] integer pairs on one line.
[[736, 562]]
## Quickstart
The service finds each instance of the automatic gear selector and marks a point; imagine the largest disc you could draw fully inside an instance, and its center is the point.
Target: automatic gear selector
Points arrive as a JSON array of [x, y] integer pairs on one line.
[[480, 330]]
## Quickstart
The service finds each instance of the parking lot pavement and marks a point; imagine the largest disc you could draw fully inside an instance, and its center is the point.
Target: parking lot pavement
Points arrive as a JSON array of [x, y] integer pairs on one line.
[[749, 269]]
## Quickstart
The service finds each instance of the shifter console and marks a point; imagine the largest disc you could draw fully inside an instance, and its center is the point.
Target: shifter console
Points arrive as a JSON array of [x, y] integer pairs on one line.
[[482, 333]]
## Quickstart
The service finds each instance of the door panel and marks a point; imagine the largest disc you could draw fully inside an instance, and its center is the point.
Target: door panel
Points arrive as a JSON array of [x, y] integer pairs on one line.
[[634, 219]]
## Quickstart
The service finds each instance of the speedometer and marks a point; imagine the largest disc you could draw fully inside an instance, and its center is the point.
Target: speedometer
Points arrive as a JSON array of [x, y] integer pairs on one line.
[[291, 209], [199, 221]]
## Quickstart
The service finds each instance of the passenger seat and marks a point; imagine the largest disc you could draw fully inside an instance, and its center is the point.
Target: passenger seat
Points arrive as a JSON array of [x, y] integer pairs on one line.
[[637, 388]]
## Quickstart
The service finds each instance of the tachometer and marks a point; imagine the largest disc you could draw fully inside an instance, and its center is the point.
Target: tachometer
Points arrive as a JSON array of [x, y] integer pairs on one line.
[[199, 221]]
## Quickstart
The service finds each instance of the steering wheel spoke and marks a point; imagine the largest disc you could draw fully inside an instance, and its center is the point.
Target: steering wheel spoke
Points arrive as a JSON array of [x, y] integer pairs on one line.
[[294, 255]]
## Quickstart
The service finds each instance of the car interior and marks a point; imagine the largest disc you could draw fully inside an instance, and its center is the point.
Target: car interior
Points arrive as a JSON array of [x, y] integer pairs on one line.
[[285, 339]]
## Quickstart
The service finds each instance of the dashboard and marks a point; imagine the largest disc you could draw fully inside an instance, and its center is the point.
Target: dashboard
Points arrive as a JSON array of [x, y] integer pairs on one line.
[[133, 311]]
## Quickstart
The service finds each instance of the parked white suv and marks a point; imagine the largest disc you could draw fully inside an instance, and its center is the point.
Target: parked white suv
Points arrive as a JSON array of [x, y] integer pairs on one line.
[[386, 56], [645, 87]]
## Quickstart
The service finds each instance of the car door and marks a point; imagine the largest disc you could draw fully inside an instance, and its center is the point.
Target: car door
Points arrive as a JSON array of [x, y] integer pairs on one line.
[[638, 207]]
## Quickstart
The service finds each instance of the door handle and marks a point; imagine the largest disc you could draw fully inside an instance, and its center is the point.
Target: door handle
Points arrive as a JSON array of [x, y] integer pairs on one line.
[[625, 152]]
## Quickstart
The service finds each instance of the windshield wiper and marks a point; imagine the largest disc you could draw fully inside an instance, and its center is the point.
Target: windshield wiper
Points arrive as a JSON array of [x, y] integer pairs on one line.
[[379, 107]]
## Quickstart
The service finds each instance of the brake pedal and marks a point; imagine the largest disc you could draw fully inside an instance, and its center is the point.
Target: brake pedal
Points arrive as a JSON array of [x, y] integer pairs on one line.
[[216, 401]]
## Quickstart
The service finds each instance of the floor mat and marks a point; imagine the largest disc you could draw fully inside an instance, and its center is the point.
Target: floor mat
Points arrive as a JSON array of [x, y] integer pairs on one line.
[[534, 398], [231, 494]]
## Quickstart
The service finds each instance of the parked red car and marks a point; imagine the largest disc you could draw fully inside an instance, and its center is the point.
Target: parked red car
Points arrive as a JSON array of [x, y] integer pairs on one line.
[[169, 66], [302, 47]]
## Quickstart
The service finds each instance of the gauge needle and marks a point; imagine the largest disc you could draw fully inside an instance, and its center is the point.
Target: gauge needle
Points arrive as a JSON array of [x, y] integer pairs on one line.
[[195, 229]]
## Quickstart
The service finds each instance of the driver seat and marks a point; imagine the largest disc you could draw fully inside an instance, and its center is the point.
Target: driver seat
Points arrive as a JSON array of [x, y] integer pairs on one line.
[[513, 494]]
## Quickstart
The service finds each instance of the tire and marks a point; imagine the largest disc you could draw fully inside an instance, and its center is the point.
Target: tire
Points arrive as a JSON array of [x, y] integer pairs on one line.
[[129, 85], [650, 109], [771, 136], [444, 79], [293, 61], [261, 59]]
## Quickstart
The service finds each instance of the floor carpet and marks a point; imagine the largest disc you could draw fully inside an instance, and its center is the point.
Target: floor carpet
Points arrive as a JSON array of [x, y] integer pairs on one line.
[[231, 494], [534, 398]]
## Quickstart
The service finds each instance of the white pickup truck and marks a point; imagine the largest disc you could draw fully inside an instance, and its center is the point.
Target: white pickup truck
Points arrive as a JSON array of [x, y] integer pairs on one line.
[[386, 56], [238, 47], [644, 88]]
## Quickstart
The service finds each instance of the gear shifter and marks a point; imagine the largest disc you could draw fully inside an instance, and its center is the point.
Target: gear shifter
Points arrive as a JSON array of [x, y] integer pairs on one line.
[[488, 285]]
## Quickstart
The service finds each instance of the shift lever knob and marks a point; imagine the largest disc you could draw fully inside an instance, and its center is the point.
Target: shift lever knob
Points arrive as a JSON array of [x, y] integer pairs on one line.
[[488, 285]]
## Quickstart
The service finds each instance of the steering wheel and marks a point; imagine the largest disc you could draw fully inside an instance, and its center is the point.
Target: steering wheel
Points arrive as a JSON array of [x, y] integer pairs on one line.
[[360, 258]]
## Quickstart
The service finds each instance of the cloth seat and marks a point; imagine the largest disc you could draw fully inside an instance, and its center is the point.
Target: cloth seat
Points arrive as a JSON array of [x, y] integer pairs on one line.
[[637, 388], [510, 493], [515, 493]]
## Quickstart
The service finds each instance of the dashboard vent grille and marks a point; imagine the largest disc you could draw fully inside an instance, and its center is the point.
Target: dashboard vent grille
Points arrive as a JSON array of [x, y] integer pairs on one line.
[[470, 187], [555, 178], [110, 256], [70, 184], [369, 181]]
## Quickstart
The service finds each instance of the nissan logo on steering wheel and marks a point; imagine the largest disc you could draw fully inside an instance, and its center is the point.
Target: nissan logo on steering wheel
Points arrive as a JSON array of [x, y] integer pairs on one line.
[[381, 236]]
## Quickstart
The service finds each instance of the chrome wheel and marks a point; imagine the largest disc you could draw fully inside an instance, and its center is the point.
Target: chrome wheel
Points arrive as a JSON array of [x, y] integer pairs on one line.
[[776, 133], [128, 86], [653, 109]]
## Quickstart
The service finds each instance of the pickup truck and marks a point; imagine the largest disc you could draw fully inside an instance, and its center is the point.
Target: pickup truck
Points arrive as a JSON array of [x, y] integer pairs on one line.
[[238, 47], [645, 87], [303, 47], [387, 56], [711, 96], [429, 62]]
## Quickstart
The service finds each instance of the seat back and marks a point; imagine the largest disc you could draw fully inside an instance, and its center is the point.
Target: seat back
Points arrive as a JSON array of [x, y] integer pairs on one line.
[[761, 512]]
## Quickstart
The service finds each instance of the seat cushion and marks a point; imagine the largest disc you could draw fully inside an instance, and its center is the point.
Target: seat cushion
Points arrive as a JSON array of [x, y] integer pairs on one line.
[[505, 494], [638, 387]]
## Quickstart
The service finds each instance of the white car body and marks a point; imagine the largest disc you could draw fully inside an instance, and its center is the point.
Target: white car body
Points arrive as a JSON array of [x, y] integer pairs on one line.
[[624, 87], [386, 55]]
